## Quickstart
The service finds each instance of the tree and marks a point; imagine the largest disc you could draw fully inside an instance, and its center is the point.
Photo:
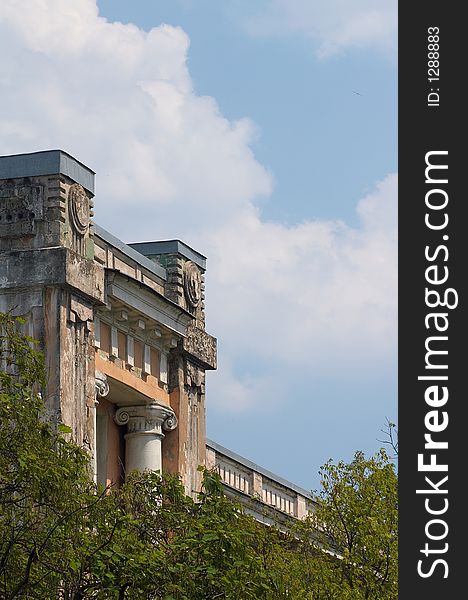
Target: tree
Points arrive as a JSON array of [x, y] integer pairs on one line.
[[63, 537], [391, 437], [354, 531], [47, 500], [189, 549], [347, 548]]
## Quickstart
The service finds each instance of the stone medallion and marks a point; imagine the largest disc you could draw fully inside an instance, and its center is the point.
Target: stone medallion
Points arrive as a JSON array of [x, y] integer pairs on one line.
[[78, 204], [192, 283]]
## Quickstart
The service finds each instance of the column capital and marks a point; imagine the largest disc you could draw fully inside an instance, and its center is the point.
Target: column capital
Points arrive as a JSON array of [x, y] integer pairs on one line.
[[147, 419]]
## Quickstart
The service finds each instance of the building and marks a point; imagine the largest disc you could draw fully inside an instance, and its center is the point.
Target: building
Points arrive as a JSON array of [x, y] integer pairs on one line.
[[122, 328], [269, 498]]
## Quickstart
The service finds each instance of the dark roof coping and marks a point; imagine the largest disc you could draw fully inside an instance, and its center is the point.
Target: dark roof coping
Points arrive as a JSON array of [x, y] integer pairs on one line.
[[170, 247], [47, 162], [251, 465], [142, 260]]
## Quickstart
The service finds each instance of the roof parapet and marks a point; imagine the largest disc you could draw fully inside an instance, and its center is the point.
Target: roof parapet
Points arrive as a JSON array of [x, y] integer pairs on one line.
[[47, 162]]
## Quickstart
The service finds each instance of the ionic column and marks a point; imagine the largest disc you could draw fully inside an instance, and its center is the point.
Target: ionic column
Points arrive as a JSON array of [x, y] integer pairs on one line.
[[102, 389], [145, 425]]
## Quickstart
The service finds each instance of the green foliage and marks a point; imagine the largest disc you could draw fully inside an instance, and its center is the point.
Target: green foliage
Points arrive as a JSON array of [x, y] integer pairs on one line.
[[46, 496], [61, 537], [354, 529], [347, 548]]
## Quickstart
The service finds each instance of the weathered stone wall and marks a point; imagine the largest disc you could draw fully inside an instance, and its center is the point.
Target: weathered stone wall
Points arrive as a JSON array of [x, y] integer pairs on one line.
[[44, 212], [48, 276]]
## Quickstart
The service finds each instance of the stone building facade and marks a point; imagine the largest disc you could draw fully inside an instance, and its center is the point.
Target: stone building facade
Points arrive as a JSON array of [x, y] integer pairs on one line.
[[122, 328]]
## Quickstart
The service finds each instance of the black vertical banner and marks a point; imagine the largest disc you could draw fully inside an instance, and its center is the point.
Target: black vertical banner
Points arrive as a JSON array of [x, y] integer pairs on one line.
[[433, 356]]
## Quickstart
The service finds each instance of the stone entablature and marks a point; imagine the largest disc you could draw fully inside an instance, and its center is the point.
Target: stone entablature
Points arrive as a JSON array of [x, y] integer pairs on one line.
[[263, 493], [138, 326]]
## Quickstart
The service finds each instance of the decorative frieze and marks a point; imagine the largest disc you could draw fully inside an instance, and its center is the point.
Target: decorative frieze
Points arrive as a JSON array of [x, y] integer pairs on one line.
[[20, 206], [279, 498], [201, 347]]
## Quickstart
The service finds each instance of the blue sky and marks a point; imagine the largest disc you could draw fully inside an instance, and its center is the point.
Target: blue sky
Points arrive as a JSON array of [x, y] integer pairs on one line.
[[236, 127], [315, 133]]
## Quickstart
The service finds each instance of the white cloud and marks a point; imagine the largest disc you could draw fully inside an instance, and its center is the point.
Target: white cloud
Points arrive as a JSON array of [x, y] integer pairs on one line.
[[317, 296], [332, 25], [230, 394], [121, 100]]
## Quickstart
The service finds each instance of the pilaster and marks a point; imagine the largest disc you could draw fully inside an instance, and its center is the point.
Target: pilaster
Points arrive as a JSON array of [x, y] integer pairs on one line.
[[102, 390], [185, 448], [48, 275]]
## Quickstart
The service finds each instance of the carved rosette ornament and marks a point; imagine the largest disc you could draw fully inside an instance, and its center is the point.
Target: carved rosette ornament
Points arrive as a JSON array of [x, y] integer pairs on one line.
[[78, 205], [192, 284]]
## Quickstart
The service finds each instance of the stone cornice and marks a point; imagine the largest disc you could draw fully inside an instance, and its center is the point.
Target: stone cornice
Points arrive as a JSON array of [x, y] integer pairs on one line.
[[53, 266], [149, 303]]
